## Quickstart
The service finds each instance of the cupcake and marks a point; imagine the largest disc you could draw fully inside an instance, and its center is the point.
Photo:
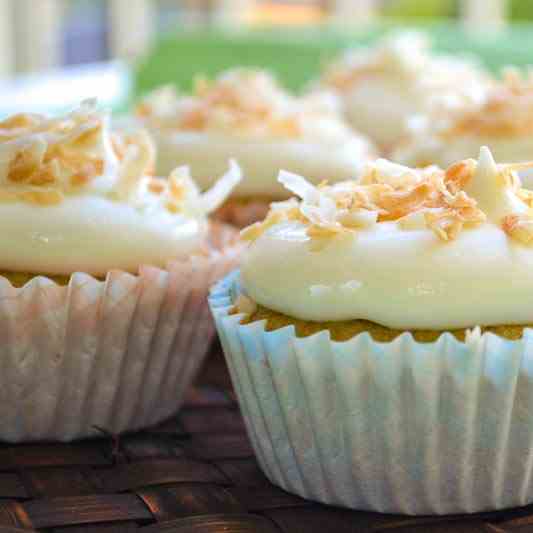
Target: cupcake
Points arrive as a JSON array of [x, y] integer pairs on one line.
[[385, 362], [103, 278], [384, 85], [502, 120], [245, 114]]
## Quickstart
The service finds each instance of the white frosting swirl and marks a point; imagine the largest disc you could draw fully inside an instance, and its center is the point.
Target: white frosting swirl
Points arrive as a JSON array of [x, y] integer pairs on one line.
[[75, 198], [406, 271], [244, 114], [384, 85]]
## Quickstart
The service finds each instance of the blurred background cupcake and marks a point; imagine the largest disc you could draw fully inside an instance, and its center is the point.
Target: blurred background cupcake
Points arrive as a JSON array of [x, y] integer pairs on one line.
[[245, 114], [502, 120], [385, 363], [382, 86], [104, 274]]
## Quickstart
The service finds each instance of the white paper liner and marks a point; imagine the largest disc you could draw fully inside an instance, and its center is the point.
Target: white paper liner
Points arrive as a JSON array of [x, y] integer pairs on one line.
[[408, 427], [117, 354]]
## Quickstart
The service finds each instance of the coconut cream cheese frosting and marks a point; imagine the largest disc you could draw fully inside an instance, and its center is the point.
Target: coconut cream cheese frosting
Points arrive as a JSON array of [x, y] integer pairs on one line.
[[75, 197], [406, 248], [502, 120], [384, 85], [246, 115]]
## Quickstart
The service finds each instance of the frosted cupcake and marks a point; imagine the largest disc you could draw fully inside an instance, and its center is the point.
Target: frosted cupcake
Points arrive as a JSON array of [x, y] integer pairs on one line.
[[384, 85], [503, 120], [104, 273], [245, 114], [386, 362]]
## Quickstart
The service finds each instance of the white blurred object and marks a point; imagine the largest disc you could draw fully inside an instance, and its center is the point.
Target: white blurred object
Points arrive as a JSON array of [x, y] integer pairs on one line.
[[132, 26], [7, 58], [62, 89], [38, 33], [477, 14]]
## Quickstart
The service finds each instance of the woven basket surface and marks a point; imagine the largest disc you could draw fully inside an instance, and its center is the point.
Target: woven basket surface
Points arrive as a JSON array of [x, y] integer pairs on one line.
[[195, 473]]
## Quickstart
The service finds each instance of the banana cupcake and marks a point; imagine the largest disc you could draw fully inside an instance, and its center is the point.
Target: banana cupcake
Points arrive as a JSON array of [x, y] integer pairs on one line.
[[245, 114], [385, 362], [384, 85], [104, 275], [502, 120]]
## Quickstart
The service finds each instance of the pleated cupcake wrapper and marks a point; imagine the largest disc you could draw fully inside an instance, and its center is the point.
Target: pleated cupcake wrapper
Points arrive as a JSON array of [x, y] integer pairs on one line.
[[241, 214], [403, 426], [111, 356]]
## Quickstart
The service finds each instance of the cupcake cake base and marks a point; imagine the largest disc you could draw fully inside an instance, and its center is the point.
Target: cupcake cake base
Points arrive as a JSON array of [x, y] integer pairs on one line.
[[347, 329]]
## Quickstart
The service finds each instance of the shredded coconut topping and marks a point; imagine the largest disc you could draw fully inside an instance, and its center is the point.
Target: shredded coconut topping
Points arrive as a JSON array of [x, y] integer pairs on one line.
[[241, 101], [444, 201], [506, 110], [42, 160], [404, 56]]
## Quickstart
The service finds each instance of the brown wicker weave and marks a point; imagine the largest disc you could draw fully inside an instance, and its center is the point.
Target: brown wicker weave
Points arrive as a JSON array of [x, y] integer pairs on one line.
[[193, 474]]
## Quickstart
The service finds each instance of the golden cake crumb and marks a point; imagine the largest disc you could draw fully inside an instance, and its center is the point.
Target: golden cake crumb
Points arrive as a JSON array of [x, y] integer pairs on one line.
[[346, 329]]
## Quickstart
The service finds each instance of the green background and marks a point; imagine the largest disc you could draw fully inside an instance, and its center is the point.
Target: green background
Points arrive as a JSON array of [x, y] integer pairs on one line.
[[296, 55]]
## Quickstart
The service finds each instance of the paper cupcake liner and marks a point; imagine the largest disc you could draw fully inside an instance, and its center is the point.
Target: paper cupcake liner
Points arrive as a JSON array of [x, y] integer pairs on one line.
[[407, 427], [242, 214], [113, 355]]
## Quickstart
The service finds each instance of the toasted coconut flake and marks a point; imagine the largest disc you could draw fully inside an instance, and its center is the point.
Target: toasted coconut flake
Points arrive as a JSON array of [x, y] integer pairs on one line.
[[388, 173], [398, 203], [41, 197], [445, 224], [299, 186], [320, 232], [156, 185], [358, 219], [251, 233], [526, 196], [137, 160], [219, 192], [459, 174], [519, 227], [414, 221]]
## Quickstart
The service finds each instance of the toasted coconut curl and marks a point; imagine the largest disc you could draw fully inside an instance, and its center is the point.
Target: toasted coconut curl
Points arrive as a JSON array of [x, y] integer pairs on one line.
[[238, 101], [414, 198]]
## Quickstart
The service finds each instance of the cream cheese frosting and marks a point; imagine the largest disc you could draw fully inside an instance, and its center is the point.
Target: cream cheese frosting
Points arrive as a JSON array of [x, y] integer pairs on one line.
[[75, 197], [501, 120], [406, 248], [384, 85], [244, 114]]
